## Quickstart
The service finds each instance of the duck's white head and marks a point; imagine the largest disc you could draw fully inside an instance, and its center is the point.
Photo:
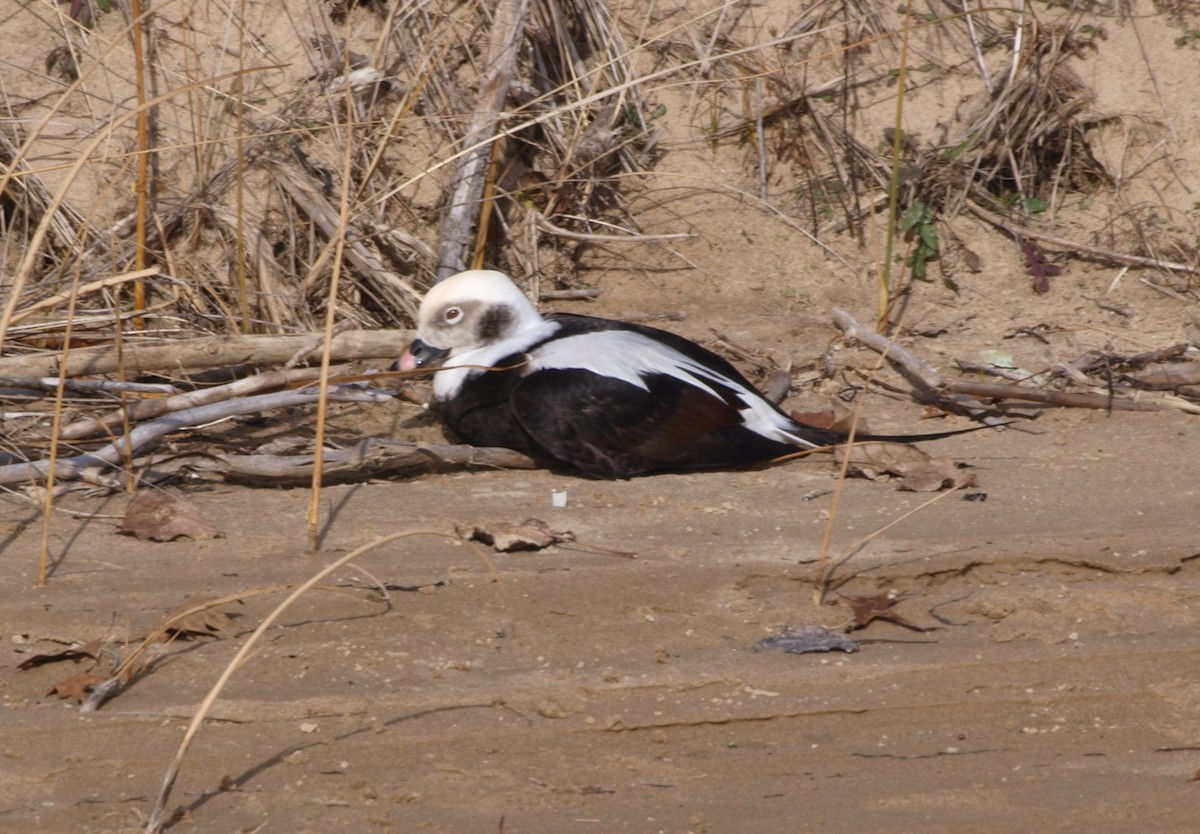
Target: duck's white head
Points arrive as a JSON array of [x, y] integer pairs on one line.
[[466, 312]]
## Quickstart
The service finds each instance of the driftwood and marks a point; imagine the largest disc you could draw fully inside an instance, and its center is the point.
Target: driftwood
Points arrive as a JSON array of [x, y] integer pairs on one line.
[[145, 434], [209, 352], [372, 458], [458, 227], [44, 384], [148, 409], [1067, 399], [932, 388], [919, 374]]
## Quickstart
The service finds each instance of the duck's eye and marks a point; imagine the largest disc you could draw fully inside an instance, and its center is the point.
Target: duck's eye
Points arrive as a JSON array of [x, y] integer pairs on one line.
[[452, 315]]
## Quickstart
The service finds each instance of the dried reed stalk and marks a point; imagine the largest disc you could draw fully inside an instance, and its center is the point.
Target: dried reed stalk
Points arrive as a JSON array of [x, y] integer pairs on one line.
[[458, 227]]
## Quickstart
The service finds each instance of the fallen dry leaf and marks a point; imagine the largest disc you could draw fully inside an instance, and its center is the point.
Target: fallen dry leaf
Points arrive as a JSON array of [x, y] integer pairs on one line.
[[506, 537], [917, 471], [77, 686], [879, 607], [157, 516], [78, 652], [1040, 269], [874, 460], [935, 475], [834, 417]]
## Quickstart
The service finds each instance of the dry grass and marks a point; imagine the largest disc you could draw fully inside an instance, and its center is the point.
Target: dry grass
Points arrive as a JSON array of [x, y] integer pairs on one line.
[[246, 137], [245, 144]]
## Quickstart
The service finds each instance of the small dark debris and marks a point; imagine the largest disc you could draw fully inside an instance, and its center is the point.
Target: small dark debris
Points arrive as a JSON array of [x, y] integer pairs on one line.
[[805, 639], [976, 496], [1038, 268]]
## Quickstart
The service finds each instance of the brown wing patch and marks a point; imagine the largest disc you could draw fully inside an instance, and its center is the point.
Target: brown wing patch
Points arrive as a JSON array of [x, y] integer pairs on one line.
[[696, 415]]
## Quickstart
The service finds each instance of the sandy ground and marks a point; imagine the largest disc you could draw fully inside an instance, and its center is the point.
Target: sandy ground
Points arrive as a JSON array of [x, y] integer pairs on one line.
[[579, 691], [574, 691]]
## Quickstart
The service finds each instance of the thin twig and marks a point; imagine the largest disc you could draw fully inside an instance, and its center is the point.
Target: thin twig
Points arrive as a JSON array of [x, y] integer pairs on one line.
[[825, 571], [559, 231]]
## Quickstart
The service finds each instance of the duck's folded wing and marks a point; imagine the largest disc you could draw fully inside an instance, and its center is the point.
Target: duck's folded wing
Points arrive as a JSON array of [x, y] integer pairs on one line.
[[612, 428]]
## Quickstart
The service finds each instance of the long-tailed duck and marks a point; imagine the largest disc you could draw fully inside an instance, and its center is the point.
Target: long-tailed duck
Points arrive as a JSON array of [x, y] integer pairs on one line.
[[610, 398]]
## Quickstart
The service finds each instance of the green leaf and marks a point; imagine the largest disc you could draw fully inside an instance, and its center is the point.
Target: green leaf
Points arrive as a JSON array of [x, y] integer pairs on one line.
[[912, 216], [928, 233], [917, 264], [633, 117], [1035, 206]]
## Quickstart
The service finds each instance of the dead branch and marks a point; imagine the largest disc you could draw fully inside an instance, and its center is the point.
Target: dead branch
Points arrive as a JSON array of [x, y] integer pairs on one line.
[[145, 434], [49, 384], [558, 231], [587, 294], [85, 289], [458, 227], [919, 374], [1067, 399], [372, 458], [209, 352], [933, 389], [149, 409]]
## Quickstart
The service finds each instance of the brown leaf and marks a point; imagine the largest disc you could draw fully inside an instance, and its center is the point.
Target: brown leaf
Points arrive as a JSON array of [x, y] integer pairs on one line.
[[936, 475], [874, 460], [834, 417], [78, 652], [917, 471], [1168, 376], [879, 607], [506, 537], [77, 686], [157, 516], [1038, 267]]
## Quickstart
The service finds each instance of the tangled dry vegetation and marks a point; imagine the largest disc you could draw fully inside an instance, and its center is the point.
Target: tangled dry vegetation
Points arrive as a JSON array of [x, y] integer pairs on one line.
[[201, 187]]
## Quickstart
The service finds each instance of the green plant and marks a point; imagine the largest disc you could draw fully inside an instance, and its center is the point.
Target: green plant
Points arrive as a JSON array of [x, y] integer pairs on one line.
[[918, 227], [1033, 205]]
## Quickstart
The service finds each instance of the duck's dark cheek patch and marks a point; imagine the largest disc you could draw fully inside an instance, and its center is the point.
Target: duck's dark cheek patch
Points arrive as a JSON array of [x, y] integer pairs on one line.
[[494, 323]]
